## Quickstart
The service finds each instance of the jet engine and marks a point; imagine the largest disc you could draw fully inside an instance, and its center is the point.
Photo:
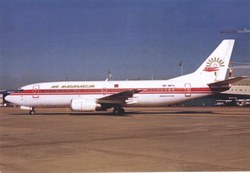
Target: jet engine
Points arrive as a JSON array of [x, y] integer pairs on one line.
[[84, 105]]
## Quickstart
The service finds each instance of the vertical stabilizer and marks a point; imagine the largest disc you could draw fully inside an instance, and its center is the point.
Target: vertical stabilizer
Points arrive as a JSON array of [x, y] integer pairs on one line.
[[215, 67]]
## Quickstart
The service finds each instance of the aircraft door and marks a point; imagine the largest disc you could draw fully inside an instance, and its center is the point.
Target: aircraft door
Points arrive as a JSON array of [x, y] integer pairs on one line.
[[35, 91], [187, 89]]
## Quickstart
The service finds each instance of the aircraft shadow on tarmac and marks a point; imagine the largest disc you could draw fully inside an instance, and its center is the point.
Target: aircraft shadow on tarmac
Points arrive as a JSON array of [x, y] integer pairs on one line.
[[180, 112], [127, 114]]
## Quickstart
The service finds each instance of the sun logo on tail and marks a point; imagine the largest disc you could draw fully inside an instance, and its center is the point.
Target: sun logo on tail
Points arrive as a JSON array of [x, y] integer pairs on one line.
[[213, 64]]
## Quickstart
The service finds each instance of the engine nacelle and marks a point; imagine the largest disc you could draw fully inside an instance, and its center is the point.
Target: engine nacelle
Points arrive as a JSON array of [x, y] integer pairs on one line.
[[84, 105]]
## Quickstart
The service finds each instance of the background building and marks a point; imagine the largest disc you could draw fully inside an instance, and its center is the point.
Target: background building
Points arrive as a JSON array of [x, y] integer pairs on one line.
[[3, 94]]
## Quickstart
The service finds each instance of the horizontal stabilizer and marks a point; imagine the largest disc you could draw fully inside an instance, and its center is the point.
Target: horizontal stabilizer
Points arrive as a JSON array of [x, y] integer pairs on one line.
[[227, 82]]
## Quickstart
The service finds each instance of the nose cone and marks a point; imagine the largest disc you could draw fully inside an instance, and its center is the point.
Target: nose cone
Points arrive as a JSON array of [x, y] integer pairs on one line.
[[10, 98]]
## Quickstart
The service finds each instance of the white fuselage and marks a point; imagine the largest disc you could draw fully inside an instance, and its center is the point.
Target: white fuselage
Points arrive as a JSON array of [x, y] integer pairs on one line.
[[154, 93]]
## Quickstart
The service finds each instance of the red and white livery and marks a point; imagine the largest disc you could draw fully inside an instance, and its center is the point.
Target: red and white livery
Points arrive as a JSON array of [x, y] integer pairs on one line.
[[208, 79]]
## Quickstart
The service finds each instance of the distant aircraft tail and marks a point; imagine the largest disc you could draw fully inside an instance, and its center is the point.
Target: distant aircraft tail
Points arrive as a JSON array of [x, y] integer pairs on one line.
[[215, 67]]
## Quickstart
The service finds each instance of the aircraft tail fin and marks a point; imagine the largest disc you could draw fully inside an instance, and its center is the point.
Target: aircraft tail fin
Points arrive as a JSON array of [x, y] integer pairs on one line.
[[215, 67]]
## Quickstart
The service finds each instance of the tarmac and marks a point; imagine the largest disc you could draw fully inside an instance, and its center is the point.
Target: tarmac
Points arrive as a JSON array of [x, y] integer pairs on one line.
[[143, 140]]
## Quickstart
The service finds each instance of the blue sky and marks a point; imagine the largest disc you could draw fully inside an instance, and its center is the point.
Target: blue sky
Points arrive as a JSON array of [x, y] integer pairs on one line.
[[54, 40]]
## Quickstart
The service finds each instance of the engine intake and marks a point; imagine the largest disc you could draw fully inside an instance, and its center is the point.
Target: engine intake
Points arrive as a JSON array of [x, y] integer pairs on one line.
[[84, 105]]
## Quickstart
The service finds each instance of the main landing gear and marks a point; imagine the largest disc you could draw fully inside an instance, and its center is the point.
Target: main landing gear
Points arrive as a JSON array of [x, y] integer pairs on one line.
[[118, 110]]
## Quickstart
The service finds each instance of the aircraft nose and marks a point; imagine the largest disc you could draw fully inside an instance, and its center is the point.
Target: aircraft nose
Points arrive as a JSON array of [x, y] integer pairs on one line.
[[9, 98]]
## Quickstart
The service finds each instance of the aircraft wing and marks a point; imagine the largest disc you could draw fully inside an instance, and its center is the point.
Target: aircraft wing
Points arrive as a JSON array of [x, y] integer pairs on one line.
[[118, 98], [227, 82]]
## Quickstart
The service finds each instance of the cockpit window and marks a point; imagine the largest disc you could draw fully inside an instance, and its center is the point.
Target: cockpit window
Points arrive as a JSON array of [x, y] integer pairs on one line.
[[19, 90]]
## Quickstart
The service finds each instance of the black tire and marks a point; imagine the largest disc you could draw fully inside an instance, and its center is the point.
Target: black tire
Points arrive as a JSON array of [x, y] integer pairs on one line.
[[122, 111], [32, 112], [118, 111]]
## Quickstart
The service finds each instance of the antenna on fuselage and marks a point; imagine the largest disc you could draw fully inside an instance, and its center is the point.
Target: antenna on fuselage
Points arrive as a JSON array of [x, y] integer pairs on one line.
[[181, 67], [109, 78]]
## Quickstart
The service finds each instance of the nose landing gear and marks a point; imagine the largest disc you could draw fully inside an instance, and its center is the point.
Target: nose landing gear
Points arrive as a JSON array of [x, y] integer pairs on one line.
[[32, 111]]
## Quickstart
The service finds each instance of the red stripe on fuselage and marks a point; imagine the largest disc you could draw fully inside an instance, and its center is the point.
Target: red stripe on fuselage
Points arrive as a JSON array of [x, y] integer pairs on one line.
[[117, 90]]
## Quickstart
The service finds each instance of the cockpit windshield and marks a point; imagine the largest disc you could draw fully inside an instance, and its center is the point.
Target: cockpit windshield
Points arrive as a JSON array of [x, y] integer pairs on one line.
[[19, 90]]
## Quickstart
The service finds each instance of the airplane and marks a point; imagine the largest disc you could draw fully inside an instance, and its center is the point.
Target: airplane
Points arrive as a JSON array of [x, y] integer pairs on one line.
[[83, 96], [242, 31]]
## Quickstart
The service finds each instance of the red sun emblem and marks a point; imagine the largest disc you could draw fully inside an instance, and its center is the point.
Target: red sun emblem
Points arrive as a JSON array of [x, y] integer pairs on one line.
[[213, 64]]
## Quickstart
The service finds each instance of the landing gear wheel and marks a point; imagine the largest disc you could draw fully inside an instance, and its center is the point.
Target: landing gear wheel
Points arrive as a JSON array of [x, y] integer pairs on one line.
[[32, 112], [122, 111], [118, 111]]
